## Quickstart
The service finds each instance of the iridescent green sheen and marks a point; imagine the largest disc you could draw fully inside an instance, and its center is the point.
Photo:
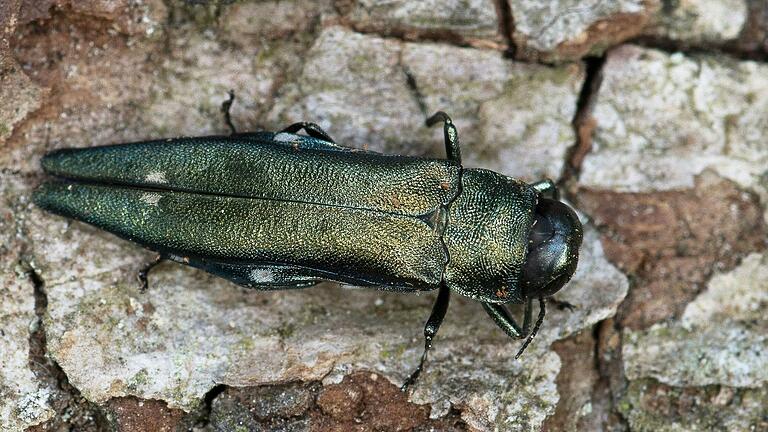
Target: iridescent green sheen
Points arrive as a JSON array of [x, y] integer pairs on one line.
[[281, 166], [265, 209], [256, 202], [370, 246], [281, 210]]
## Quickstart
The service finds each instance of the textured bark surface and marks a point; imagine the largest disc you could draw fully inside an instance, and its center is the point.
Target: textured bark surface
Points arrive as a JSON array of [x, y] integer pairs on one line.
[[652, 115]]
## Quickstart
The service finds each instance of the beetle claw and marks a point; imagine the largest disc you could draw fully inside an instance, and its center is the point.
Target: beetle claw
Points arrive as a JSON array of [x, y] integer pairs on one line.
[[144, 272], [144, 285]]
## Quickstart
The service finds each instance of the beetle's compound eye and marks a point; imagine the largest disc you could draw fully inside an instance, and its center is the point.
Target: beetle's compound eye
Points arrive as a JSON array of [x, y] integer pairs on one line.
[[553, 249]]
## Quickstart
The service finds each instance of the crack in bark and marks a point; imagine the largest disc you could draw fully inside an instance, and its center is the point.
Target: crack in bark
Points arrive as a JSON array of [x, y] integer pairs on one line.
[[73, 411], [406, 33], [610, 373], [206, 409], [581, 123], [39, 362], [671, 46], [506, 26]]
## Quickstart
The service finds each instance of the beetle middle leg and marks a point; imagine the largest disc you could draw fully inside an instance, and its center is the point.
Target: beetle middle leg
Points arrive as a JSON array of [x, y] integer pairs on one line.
[[144, 272], [430, 330], [452, 148], [504, 320], [312, 129]]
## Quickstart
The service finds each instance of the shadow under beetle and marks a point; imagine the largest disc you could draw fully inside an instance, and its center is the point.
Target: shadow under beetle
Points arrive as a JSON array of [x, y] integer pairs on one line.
[[279, 210]]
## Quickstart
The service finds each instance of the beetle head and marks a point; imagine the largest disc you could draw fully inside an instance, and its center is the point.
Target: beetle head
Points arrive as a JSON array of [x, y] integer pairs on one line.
[[553, 249]]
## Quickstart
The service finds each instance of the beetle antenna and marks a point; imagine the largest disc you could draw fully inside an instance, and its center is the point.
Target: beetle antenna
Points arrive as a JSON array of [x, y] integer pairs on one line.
[[542, 311]]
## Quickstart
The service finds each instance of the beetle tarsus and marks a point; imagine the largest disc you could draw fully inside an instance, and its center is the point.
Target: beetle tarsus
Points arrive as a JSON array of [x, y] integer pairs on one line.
[[527, 316], [562, 305], [144, 272], [452, 148], [312, 129], [430, 331], [413, 377], [225, 106], [536, 327]]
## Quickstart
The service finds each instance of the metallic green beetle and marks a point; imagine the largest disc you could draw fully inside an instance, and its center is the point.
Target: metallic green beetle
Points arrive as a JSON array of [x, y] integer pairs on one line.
[[281, 210]]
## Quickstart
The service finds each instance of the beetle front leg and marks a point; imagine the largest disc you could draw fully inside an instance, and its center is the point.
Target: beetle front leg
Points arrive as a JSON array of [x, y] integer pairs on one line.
[[430, 330], [452, 149], [536, 327], [312, 129], [144, 272], [504, 320]]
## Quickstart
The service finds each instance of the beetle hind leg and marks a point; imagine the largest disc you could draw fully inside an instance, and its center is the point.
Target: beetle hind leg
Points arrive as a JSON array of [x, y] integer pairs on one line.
[[452, 149], [144, 272], [312, 129], [430, 330]]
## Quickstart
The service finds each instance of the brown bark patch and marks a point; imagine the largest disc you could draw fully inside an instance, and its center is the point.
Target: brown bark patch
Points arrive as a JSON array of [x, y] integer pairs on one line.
[[368, 402], [670, 243], [121, 13], [131, 414], [603, 34], [599, 36], [575, 382]]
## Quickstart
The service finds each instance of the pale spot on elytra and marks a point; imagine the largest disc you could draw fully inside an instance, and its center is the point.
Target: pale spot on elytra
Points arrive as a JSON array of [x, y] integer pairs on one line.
[[151, 198], [261, 275], [157, 177]]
